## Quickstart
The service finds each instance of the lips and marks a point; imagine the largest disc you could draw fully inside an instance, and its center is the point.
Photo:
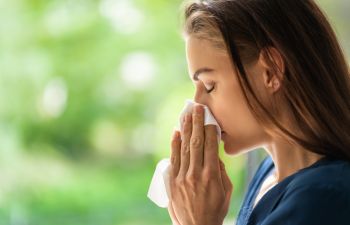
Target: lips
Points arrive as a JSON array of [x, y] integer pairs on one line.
[[223, 134]]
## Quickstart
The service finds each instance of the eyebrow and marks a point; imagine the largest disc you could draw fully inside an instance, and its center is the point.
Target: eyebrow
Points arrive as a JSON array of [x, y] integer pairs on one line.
[[201, 70]]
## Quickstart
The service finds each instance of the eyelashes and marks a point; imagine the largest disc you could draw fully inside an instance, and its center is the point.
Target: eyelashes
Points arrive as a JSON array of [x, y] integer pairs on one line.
[[211, 89]]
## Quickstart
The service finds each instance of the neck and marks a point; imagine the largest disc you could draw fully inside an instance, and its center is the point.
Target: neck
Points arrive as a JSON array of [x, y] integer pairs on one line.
[[289, 159]]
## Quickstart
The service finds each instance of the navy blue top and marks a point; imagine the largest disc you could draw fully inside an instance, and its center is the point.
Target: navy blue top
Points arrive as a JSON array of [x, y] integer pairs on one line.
[[316, 195]]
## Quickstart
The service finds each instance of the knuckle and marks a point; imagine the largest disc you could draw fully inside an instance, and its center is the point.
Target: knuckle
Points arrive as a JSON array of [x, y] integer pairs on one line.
[[185, 149], [209, 174], [196, 141], [197, 117], [210, 140], [187, 127], [191, 179], [180, 181], [172, 159], [174, 142]]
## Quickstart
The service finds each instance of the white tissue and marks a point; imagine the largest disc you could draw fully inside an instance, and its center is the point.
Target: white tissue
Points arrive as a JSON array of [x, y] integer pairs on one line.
[[159, 190]]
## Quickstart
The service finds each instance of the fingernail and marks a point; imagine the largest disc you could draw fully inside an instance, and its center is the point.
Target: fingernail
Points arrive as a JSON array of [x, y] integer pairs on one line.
[[198, 109], [175, 134]]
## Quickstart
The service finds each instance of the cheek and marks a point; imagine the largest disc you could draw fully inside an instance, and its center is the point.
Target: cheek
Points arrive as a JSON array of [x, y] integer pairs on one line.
[[235, 118], [243, 132], [224, 117], [230, 110]]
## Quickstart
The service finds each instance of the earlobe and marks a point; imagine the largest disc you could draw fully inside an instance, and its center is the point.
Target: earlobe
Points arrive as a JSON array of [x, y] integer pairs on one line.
[[276, 84], [271, 81]]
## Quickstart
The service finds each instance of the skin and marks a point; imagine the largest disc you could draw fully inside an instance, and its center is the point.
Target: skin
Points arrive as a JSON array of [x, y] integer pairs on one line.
[[201, 188]]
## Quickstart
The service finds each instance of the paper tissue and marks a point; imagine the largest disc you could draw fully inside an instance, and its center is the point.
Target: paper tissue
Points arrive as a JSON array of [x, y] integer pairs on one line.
[[159, 190]]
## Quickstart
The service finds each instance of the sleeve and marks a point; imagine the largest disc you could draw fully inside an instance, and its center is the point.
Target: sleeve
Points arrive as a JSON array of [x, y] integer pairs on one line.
[[320, 205]]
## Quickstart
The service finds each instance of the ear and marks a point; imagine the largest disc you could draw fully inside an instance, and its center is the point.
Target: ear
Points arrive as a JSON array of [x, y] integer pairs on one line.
[[274, 68]]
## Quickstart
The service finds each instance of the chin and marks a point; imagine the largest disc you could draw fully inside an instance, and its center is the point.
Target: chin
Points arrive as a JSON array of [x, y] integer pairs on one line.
[[229, 150], [235, 149], [227, 147]]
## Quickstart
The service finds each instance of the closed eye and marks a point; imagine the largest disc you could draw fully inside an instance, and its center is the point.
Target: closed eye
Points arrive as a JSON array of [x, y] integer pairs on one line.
[[210, 90]]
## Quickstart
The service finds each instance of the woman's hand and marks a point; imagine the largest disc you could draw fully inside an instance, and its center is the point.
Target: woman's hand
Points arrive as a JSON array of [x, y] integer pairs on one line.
[[200, 187]]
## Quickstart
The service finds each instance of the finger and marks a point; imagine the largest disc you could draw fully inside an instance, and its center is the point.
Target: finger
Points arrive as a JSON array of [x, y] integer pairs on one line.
[[185, 145], [226, 182], [225, 178], [175, 154], [172, 214], [211, 158], [197, 139]]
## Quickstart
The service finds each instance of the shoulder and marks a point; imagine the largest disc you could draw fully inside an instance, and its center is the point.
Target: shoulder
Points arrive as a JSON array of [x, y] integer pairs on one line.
[[331, 174], [329, 179], [319, 195], [312, 205]]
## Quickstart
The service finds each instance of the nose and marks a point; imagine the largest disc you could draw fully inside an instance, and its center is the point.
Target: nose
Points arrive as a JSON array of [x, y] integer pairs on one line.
[[198, 97]]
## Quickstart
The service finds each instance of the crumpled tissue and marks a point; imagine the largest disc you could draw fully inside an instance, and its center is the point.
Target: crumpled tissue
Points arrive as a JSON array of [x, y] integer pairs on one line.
[[159, 190]]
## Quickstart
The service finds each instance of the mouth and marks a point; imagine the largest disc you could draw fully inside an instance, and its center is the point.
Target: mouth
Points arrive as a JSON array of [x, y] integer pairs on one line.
[[223, 134]]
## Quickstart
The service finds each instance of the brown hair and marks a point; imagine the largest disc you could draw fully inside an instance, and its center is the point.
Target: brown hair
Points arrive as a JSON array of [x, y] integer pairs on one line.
[[316, 81]]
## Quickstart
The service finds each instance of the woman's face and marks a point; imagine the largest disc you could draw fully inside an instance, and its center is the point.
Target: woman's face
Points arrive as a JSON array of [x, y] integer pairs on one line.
[[226, 100]]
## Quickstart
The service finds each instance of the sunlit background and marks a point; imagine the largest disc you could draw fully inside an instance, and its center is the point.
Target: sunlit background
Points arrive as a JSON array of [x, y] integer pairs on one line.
[[89, 94]]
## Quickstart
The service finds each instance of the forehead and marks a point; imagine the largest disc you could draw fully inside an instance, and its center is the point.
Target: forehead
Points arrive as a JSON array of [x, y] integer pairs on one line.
[[198, 47], [202, 53]]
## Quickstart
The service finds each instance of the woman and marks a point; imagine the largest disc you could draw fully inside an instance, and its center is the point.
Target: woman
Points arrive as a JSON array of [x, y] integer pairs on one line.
[[274, 76]]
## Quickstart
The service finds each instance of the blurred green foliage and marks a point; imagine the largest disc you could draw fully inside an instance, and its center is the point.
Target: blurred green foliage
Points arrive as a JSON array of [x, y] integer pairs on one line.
[[89, 93]]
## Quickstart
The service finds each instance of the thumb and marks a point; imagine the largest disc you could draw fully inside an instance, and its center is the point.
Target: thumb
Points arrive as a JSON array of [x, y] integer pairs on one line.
[[172, 214]]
